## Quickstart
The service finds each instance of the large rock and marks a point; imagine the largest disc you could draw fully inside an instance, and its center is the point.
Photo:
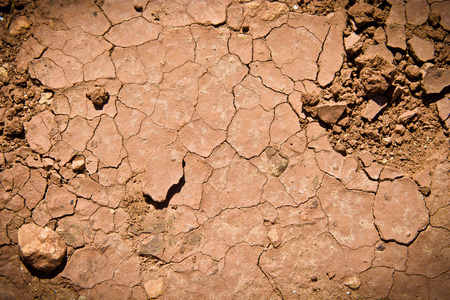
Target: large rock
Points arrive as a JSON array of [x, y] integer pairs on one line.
[[435, 80], [40, 247]]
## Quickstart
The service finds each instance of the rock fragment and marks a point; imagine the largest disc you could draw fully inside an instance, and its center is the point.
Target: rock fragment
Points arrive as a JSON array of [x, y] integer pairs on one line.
[[353, 282], [435, 80], [421, 49], [413, 72], [154, 287], [407, 116], [381, 50], [277, 163], [78, 163], [353, 43], [373, 107], [13, 128], [396, 36], [376, 73], [443, 8], [40, 247], [417, 11], [331, 112], [99, 96], [443, 107], [19, 26], [362, 13]]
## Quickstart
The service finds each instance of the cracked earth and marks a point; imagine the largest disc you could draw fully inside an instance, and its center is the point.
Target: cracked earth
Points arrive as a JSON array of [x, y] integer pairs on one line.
[[176, 157]]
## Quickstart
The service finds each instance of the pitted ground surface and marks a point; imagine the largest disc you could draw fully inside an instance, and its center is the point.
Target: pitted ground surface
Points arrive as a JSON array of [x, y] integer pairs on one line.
[[202, 176]]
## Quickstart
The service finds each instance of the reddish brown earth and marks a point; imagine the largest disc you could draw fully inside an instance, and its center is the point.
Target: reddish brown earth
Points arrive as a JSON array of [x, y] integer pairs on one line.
[[224, 149]]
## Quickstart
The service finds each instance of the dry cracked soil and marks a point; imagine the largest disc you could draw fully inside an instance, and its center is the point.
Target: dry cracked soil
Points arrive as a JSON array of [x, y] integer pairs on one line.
[[224, 149]]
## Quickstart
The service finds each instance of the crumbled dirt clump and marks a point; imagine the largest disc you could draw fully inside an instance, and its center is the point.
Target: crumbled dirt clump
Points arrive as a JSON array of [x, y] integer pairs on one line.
[[19, 95], [99, 96]]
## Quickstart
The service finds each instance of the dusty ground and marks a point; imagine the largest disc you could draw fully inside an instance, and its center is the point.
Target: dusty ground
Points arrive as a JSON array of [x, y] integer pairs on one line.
[[227, 149]]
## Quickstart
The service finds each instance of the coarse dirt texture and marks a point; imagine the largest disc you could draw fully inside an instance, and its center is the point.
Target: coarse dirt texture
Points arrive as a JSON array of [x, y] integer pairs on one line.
[[226, 149]]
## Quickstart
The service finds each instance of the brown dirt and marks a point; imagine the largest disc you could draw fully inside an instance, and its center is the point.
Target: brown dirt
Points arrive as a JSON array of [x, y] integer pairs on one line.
[[407, 145]]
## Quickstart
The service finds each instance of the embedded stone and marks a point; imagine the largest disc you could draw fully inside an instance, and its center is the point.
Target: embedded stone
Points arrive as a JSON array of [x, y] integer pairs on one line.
[[40, 247], [353, 282], [154, 287]]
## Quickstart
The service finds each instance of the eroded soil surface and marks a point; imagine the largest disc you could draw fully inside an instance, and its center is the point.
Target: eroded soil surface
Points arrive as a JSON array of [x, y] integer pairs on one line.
[[227, 149]]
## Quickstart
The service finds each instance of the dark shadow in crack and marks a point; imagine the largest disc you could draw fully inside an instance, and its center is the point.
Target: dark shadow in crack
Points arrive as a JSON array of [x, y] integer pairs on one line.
[[174, 189]]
